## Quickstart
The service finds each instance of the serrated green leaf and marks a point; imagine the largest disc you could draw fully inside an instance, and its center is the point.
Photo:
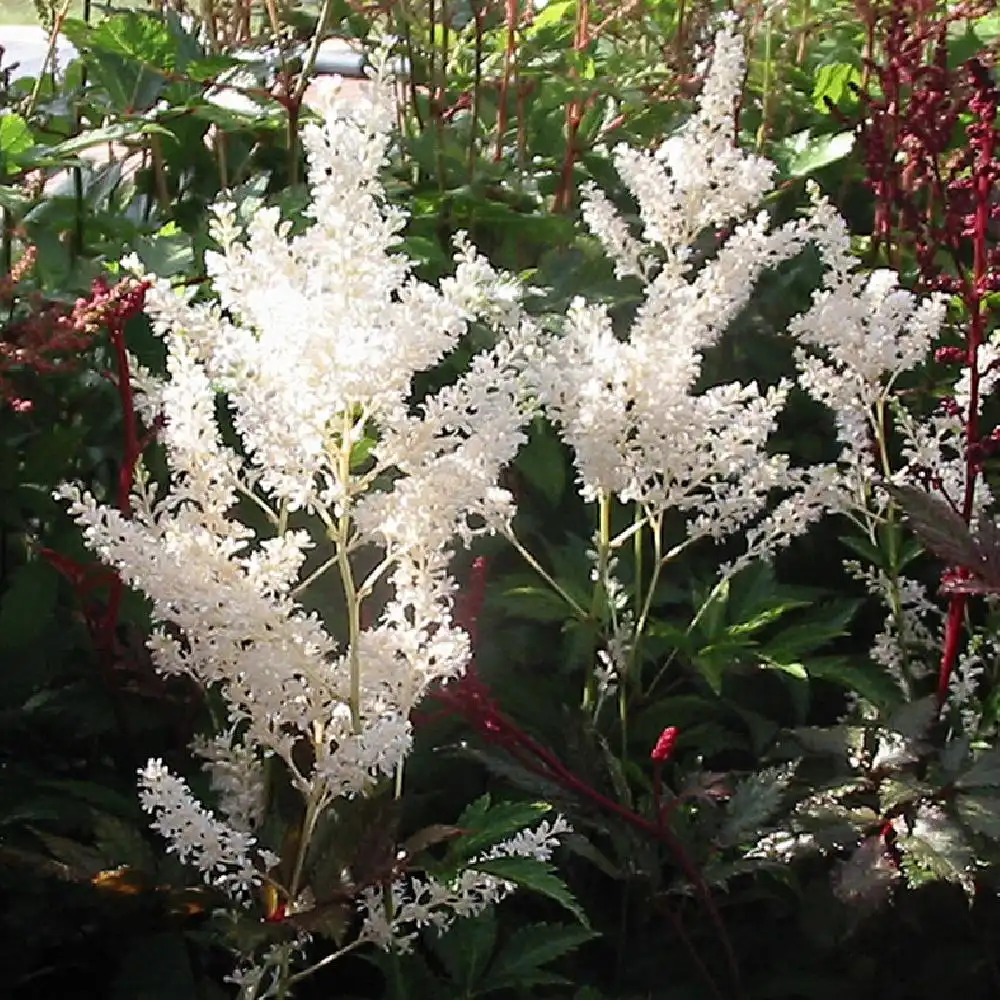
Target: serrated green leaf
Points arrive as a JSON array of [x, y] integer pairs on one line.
[[15, 140], [465, 950], [488, 824], [828, 622], [894, 792], [936, 849], [863, 547], [530, 873], [869, 680], [915, 718], [980, 813], [534, 602], [984, 772], [832, 83], [528, 949], [755, 801], [796, 670]]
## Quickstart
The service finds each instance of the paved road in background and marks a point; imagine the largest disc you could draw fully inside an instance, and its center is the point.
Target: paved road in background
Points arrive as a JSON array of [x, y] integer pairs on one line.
[[27, 45]]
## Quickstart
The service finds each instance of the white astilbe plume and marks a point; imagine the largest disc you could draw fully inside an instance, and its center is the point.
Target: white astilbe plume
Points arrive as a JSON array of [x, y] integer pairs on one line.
[[424, 901], [860, 335], [629, 408], [221, 853], [237, 777], [312, 340]]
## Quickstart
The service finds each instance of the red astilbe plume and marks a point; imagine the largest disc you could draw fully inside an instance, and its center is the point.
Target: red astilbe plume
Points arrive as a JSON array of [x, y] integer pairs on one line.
[[936, 198], [51, 336]]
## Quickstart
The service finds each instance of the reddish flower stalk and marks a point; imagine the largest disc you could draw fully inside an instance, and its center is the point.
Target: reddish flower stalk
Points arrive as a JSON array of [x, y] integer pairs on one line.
[[938, 202], [471, 699], [38, 342], [563, 199], [512, 16], [660, 754]]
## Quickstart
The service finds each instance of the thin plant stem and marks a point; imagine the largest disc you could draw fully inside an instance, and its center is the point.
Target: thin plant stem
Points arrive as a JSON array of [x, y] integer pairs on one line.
[[547, 577]]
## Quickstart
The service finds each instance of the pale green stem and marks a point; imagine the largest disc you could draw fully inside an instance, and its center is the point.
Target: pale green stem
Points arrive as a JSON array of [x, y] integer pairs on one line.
[[658, 563], [305, 584], [765, 95], [250, 495], [895, 593], [341, 540], [600, 592], [314, 807], [546, 576], [324, 962]]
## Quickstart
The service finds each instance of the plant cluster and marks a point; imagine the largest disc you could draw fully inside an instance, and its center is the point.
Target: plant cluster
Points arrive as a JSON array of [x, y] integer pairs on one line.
[[420, 580]]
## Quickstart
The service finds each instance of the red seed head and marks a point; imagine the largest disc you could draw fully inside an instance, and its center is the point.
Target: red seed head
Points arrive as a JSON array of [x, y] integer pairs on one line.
[[665, 745]]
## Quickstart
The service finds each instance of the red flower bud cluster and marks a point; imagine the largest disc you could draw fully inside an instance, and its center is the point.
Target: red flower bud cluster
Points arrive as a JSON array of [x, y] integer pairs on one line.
[[932, 158], [664, 748], [50, 337]]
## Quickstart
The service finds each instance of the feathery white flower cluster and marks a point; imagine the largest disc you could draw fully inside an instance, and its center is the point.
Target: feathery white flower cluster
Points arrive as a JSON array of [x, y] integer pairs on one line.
[[427, 902], [629, 408], [312, 341], [863, 332], [226, 857]]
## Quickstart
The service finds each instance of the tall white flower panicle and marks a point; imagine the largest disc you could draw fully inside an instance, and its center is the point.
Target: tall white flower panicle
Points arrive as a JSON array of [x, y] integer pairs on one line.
[[699, 178], [860, 335], [336, 480], [640, 427]]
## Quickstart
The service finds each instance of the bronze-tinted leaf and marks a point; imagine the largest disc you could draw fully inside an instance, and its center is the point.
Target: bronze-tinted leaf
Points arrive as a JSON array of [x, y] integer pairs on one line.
[[436, 833], [941, 528]]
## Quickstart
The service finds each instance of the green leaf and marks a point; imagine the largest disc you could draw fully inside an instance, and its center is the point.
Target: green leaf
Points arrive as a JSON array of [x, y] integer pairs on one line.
[[980, 813], [832, 82], [534, 602], [465, 949], [863, 547], [538, 876], [869, 680], [915, 718], [898, 791], [755, 801], [135, 36], [810, 632], [27, 605], [489, 824], [984, 773], [936, 849], [15, 139], [812, 153], [97, 137], [796, 670], [528, 949]]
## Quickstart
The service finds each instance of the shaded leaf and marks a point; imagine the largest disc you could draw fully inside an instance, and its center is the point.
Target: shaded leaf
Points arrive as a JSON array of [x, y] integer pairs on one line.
[[980, 813], [984, 772], [538, 876], [530, 947]]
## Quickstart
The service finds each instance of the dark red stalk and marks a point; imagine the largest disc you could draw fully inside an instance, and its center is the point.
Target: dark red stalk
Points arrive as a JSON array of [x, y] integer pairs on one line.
[[563, 199], [470, 698], [934, 198], [511, 16]]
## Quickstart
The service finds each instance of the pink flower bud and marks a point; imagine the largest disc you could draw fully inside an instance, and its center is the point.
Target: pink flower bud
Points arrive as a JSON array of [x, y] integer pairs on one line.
[[665, 745]]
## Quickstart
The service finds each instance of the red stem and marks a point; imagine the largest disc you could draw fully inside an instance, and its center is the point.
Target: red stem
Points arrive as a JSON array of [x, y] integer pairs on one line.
[[975, 291]]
